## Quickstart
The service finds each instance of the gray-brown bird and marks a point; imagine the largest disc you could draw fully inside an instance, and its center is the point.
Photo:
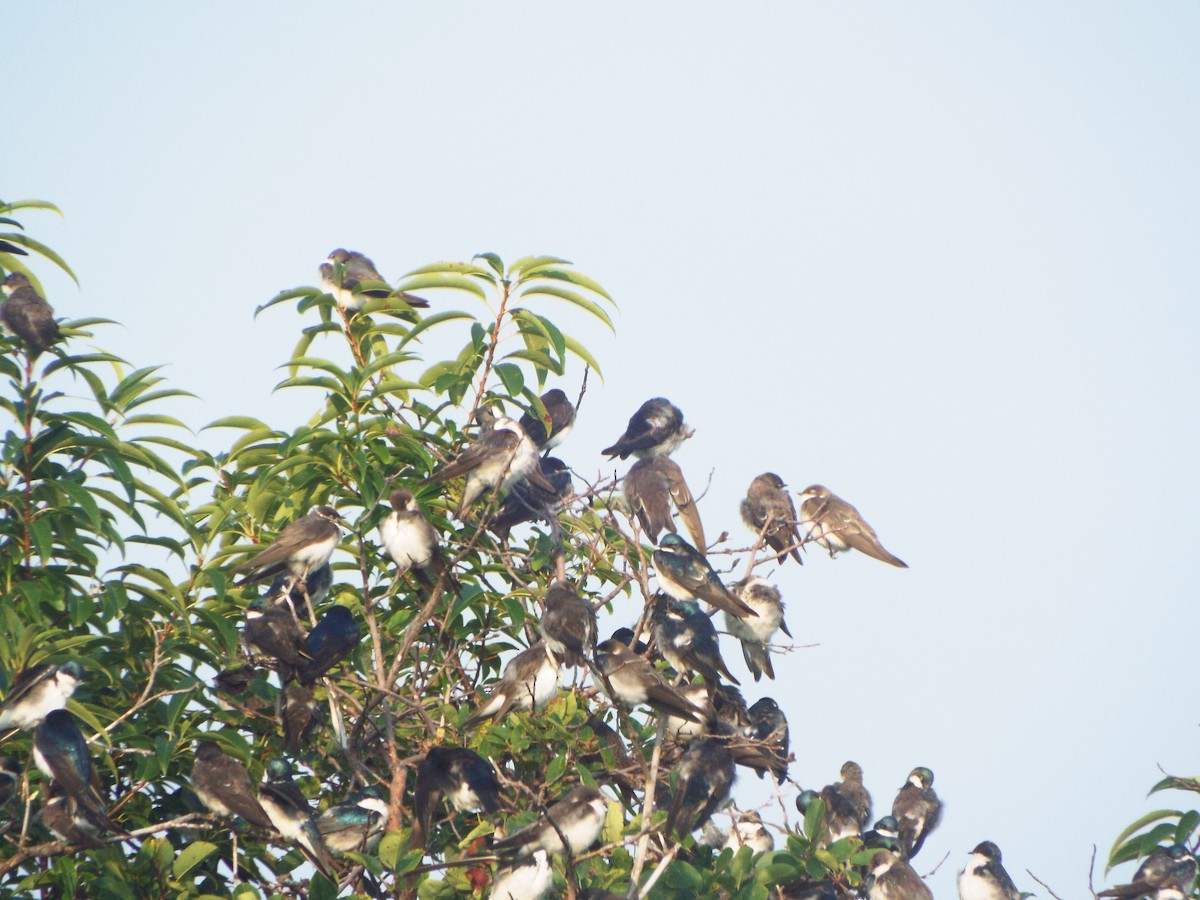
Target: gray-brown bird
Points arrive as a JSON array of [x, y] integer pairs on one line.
[[652, 486], [502, 455], [768, 506], [894, 879], [223, 785], [406, 534], [917, 810], [836, 525], [27, 315], [352, 279], [301, 547], [632, 681], [552, 429]]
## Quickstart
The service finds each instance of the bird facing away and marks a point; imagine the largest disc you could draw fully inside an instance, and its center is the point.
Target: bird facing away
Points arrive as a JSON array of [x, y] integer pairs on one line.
[[769, 729], [984, 877], [705, 776], [304, 545], [1167, 869], [528, 879], [530, 681], [685, 574], [527, 502], [551, 430], [292, 815], [579, 816], [27, 315], [354, 824], [61, 753], [502, 455], [688, 641], [273, 630], [755, 633], [406, 534], [331, 641], [223, 785], [298, 715], [462, 776], [630, 680], [656, 429], [894, 879], [37, 691], [917, 810], [768, 509], [652, 485], [851, 788], [837, 526], [568, 625]]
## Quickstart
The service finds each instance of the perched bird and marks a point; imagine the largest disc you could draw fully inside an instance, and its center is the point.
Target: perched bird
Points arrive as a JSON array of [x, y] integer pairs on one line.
[[579, 816], [61, 753], [273, 630], [626, 637], [894, 879], [462, 776], [656, 429], [652, 485], [354, 824], [37, 691], [63, 816], [705, 776], [530, 681], [730, 707], [851, 789], [884, 835], [10, 775], [353, 279], [502, 455], [527, 502], [630, 680], [687, 730], [836, 525], [530, 878], [313, 590], [688, 641], [298, 715], [304, 545], [331, 641], [917, 810], [223, 785], [552, 429], [755, 633], [985, 878], [292, 815], [769, 729], [568, 625], [1166, 869], [26, 314], [749, 831], [685, 574], [768, 509], [406, 534]]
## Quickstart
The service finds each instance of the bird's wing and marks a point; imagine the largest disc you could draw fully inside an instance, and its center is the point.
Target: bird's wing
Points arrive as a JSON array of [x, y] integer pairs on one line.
[[490, 446]]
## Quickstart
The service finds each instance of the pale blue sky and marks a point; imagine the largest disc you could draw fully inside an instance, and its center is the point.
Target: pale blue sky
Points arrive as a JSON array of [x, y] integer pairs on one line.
[[939, 257]]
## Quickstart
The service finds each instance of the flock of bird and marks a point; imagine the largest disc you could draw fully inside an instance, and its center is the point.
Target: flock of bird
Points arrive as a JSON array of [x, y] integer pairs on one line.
[[702, 713]]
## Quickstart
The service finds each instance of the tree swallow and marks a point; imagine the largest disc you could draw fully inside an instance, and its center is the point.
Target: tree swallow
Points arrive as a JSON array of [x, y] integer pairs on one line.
[[884, 835], [768, 505], [332, 639], [985, 878], [304, 545], [893, 879], [917, 810], [354, 824], [62, 815], [656, 429], [755, 633], [292, 816], [631, 681], [530, 681], [652, 485], [837, 526], [626, 637], [502, 455], [462, 776], [578, 816], [769, 729], [687, 730], [527, 502], [529, 879], [730, 706], [406, 534], [298, 715], [568, 625], [685, 574], [705, 776], [61, 753], [352, 279], [26, 314], [688, 641], [550, 431], [1166, 869], [840, 819], [273, 630], [37, 691], [851, 789], [749, 831], [223, 785]]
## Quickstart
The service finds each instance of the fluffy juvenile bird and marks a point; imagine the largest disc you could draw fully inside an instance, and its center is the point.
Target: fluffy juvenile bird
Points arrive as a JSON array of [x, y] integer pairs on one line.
[[578, 816], [568, 625], [502, 455], [656, 429], [917, 810], [406, 534], [27, 315], [529, 681], [894, 879], [768, 506], [652, 485], [630, 680], [223, 785], [304, 545], [837, 526], [755, 632]]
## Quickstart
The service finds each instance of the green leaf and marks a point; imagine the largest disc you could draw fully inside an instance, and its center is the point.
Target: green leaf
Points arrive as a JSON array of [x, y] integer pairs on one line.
[[42, 250], [1156, 816], [510, 375], [454, 282], [571, 297], [193, 854], [389, 849], [576, 278], [579, 350]]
